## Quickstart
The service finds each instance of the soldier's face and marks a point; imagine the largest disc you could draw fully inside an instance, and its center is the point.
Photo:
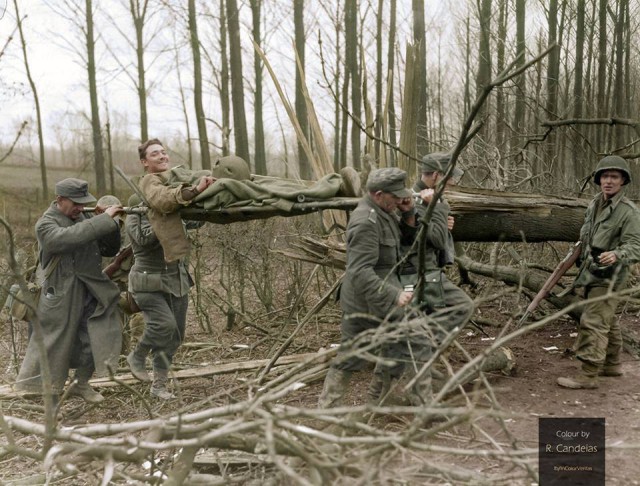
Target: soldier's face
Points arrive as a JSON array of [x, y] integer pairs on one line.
[[67, 207], [611, 182], [387, 201], [155, 159]]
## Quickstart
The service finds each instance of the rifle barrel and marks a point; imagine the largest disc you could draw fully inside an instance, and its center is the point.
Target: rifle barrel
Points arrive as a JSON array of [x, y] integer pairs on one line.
[[126, 210]]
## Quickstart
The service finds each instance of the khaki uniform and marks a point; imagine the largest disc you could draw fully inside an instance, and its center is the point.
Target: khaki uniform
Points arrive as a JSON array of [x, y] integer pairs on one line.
[[612, 225]]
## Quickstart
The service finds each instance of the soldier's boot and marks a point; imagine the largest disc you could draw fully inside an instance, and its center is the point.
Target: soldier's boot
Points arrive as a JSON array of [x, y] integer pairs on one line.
[[421, 393], [334, 389], [586, 379], [378, 388], [350, 186], [137, 363], [611, 370], [159, 385], [81, 388]]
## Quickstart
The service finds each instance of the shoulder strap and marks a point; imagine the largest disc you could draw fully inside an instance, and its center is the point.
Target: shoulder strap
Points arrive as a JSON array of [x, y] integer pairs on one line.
[[51, 267]]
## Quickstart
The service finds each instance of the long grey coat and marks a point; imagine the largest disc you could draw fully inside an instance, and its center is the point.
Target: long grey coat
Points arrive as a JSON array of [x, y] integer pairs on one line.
[[74, 283]]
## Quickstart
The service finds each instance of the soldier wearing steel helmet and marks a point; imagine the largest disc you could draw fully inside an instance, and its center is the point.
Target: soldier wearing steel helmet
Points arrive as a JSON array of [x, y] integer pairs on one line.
[[610, 239]]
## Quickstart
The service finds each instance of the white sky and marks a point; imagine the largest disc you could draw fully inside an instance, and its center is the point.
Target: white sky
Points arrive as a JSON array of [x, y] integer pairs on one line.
[[61, 81]]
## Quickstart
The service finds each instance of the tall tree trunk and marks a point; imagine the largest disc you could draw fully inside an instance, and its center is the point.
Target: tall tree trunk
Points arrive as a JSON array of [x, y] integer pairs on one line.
[[138, 13], [183, 104], [112, 182], [378, 80], [260, 156], [483, 76], [421, 88], [225, 102], [338, 112], [352, 66], [36, 99], [578, 87], [241, 137], [500, 95], [602, 71], [101, 185], [197, 87], [520, 81], [620, 98], [301, 106], [391, 110]]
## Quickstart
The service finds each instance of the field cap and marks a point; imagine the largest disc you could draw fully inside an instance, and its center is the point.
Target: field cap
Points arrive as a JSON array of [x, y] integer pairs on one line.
[[438, 162], [390, 179], [76, 190]]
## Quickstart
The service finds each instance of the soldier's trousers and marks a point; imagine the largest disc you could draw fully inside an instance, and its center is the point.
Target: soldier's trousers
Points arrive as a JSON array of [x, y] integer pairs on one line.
[[599, 339], [165, 318]]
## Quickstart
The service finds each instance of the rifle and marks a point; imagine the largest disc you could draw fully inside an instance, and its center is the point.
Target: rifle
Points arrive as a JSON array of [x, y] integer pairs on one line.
[[553, 279], [125, 210], [115, 265]]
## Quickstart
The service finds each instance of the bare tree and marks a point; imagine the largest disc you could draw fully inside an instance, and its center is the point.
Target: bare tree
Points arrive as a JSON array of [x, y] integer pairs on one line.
[[139, 10], [300, 104], [260, 157], [98, 154], [36, 99], [197, 88], [241, 137], [353, 68]]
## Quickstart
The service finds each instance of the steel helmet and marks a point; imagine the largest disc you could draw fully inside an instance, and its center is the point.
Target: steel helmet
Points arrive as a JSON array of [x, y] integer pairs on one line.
[[231, 167], [108, 200], [612, 162]]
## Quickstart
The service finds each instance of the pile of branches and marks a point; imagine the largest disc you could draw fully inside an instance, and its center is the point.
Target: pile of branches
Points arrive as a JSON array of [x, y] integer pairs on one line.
[[299, 444]]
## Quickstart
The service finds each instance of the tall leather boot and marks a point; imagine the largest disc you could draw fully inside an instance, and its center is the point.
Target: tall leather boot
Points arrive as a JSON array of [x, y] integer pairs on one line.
[[586, 379], [159, 385], [378, 388], [81, 388], [335, 386], [137, 363]]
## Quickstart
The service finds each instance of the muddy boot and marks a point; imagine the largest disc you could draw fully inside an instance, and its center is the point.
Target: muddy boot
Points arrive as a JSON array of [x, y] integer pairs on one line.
[[421, 393], [137, 363], [81, 388], [350, 186], [611, 370], [378, 388], [335, 386], [159, 386], [587, 379]]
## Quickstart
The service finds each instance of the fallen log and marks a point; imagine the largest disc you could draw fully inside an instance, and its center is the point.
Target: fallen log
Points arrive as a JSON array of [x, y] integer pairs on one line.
[[481, 214], [7, 391]]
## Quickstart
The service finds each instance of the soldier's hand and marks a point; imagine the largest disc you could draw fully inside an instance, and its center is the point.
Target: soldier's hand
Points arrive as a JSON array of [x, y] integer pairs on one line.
[[404, 298], [607, 258], [427, 195], [205, 182], [113, 211], [99, 210], [406, 204], [450, 222]]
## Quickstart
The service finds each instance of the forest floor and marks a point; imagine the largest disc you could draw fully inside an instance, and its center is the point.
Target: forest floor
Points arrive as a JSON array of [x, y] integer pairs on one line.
[[526, 395]]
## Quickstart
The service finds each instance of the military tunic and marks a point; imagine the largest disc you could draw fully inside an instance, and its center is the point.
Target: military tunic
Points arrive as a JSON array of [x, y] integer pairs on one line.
[[371, 285], [77, 306], [611, 225], [161, 290]]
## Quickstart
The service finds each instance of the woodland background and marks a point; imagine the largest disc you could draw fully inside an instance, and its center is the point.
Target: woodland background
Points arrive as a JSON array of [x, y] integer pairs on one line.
[[187, 72]]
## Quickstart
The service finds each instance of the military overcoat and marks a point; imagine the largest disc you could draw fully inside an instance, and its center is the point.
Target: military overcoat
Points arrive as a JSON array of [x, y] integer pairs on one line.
[[76, 277]]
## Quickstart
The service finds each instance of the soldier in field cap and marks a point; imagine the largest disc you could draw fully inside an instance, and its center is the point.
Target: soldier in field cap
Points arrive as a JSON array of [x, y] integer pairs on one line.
[[371, 289], [76, 309]]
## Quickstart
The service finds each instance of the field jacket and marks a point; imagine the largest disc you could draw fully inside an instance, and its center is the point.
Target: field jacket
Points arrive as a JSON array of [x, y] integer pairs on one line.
[[615, 227]]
